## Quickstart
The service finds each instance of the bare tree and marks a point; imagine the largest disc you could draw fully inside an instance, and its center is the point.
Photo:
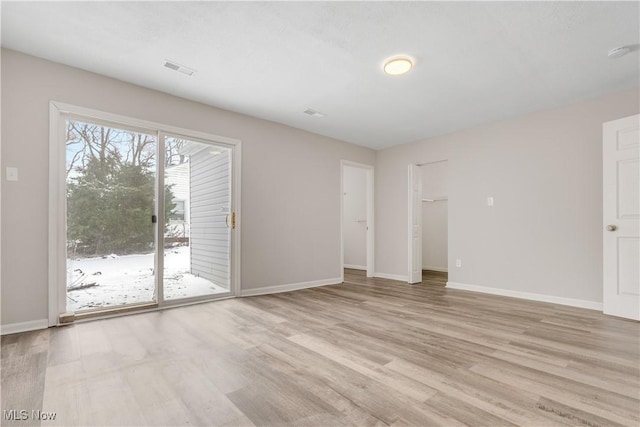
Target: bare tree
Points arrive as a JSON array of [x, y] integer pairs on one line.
[[90, 142], [173, 154], [96, 142]]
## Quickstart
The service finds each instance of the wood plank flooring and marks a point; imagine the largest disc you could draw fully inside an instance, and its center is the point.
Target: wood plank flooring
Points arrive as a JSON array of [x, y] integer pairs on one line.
[[368, 352]]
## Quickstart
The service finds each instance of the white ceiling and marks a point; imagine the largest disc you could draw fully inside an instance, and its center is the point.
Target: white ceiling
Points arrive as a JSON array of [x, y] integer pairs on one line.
[[475, 62]]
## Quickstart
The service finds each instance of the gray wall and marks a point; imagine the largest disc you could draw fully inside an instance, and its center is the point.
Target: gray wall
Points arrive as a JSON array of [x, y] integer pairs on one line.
[[290, 179], [544, 234]]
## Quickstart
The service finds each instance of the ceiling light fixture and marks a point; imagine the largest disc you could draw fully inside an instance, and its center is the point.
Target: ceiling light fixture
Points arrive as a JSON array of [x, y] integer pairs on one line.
[[314, 113], [398, 65], [179, 68], [618, 52]]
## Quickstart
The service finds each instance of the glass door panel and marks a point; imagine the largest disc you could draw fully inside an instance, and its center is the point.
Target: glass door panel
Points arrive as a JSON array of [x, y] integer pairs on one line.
[[197, 233], [110, 196]]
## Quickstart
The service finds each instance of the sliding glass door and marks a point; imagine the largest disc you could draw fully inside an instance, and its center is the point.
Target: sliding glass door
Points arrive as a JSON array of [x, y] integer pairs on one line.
[[149, 217], [197, 232], [111, 186]]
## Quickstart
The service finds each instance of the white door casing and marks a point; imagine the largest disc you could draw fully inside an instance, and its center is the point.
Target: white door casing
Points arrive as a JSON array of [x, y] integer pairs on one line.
[[415, 224], [621, 217]]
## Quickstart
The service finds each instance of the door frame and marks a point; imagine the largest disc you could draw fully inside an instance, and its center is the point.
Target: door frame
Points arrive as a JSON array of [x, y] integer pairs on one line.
[[58, 112], [370, 171]]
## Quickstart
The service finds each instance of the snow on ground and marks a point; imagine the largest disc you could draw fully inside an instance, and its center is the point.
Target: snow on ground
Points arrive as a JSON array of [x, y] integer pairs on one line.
[[129, 279]]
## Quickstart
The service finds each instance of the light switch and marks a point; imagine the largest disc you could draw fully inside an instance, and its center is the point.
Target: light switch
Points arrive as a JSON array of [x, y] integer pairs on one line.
[[489, 201], [12, 174]]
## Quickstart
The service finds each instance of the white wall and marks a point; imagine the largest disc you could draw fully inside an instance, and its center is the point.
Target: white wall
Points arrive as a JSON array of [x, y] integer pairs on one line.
[[290, 179], [354, 210], [434, 216], [544, 234]]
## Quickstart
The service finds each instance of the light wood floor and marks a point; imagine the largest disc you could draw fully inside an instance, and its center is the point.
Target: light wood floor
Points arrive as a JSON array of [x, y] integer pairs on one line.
[[366, 352]]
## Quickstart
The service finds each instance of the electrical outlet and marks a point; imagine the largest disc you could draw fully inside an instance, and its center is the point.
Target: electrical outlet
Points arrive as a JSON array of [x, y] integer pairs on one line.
[[458, 263], [490, 201]]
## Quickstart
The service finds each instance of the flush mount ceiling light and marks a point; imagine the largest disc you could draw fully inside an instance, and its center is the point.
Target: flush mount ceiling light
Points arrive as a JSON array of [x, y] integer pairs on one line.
[[179, 68], [618, 52], [397, 65]]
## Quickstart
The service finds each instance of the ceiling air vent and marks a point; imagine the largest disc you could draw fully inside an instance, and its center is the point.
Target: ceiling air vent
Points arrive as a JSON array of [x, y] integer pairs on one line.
[[618, 52], [179, 68], [314, 113]]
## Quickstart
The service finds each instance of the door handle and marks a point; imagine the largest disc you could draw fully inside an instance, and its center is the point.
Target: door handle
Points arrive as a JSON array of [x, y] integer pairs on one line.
[[233, 220], [612, 227]]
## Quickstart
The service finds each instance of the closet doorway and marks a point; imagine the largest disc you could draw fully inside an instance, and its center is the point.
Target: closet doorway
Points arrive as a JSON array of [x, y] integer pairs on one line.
[[428, 222]]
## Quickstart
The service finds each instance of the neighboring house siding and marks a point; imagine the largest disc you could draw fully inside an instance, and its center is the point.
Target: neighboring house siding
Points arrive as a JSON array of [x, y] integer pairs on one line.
[[177, 177], [210, 204]]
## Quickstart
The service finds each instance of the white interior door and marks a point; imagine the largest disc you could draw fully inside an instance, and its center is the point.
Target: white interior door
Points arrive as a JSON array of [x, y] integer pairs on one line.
[[355, 224], [363, 222], [370, 225], [415, 224], [621, 214]]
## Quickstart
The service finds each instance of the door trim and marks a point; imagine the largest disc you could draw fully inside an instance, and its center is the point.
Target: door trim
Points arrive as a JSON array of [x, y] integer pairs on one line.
[[57, 194], [370, 170]]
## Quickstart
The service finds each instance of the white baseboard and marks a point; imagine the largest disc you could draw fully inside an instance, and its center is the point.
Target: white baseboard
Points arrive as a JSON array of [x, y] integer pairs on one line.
[[355, 267], [289, 287], [392, 276], [592, 305], [428, 267], [32, 325]]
